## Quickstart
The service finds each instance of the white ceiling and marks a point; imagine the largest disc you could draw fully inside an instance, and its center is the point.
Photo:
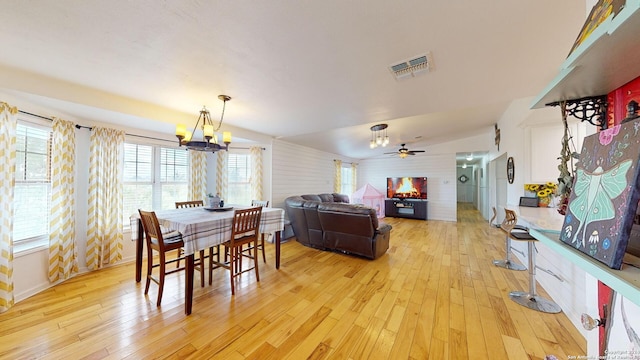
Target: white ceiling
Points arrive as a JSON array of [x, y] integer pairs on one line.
[[309, 72]]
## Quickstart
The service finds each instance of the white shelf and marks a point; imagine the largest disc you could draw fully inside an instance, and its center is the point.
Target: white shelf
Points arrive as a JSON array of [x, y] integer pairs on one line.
[[625, 281], [604, 61]]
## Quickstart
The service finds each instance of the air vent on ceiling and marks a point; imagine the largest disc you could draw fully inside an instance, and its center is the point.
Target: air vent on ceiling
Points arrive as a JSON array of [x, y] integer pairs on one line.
[[413, 67]]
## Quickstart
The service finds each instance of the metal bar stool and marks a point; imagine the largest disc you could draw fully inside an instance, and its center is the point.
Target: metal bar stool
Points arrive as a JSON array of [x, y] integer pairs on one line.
[[530, 299], [509, 224]]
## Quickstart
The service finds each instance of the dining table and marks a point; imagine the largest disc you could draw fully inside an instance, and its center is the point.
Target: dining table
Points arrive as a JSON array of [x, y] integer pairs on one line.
[[202, 228]]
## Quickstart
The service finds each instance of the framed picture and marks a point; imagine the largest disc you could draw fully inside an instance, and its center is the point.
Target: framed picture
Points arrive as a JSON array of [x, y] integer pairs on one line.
[[510, 170], [604, 199], [599, 13]]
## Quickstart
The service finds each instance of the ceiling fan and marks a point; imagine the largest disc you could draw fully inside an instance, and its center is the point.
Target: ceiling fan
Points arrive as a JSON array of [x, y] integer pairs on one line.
[[403, 152]]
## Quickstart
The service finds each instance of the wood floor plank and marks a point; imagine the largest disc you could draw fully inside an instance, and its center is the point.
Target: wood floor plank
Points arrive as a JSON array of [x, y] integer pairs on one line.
[[401, 347], [434, 295], [514, 347], [423, 336], [526, 334], [476, 348]]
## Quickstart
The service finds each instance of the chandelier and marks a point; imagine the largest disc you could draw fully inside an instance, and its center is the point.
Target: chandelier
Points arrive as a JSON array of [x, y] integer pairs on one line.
[[209, 140], [379, 136]]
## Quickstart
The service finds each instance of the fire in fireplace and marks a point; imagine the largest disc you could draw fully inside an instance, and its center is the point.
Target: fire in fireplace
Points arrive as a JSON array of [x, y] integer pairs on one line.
[[407, 187]]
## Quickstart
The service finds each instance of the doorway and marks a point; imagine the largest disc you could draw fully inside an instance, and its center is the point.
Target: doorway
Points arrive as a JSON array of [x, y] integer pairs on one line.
[[472, 180]]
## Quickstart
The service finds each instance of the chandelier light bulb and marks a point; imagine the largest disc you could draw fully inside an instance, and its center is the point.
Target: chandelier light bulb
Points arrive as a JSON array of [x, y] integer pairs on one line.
[[372, 144], [386, 141], [379, 140], [208, 131], [181, 129], [226, 137]]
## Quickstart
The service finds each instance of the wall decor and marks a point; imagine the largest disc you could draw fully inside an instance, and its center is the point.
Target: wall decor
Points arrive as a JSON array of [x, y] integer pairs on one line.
[[463, 178], [599, 13], [605, 195], [510, 170]]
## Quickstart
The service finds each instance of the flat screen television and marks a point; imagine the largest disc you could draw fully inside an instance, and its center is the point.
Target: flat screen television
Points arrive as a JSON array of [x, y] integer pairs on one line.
[[407, 187]]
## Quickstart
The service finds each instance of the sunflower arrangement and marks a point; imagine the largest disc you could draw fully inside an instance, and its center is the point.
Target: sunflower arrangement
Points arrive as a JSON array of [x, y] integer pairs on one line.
[[544, 192]]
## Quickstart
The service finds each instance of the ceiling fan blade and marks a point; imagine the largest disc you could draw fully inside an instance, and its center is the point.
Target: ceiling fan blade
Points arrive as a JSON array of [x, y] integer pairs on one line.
[[395, 152], [417, 151]]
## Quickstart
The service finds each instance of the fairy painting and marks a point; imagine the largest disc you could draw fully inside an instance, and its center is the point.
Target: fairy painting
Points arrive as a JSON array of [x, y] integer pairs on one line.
[[605, 194]]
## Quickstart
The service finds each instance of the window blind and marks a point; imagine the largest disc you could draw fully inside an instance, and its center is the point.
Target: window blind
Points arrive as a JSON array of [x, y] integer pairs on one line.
[[32, 192]]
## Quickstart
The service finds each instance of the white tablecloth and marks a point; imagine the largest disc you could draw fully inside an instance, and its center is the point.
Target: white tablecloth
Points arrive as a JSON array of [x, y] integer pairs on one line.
[[201, 228]]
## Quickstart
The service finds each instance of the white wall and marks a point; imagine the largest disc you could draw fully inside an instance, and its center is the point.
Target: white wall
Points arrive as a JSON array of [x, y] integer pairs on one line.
[[440, 173], [438, 164], [299, 170]]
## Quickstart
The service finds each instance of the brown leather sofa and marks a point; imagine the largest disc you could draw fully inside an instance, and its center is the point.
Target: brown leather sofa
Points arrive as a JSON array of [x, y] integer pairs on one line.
[[329, 222]]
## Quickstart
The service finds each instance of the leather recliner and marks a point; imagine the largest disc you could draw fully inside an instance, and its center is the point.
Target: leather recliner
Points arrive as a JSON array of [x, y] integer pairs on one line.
[[328, 222]]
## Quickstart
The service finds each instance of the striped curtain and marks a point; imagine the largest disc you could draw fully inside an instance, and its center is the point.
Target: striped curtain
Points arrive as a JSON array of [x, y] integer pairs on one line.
[[221, 174], [354, 177], [104, 224], [256, 172], [8, 123], [198, 175], [337, 178], [63, 257]]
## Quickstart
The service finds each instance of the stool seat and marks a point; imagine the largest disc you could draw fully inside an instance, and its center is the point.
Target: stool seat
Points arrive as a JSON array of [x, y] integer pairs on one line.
[[509, 226], [530, 299], [522, 236]]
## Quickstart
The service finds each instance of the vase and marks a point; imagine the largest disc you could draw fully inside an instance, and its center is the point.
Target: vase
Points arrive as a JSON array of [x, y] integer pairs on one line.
[[543, 202], [214, 201]]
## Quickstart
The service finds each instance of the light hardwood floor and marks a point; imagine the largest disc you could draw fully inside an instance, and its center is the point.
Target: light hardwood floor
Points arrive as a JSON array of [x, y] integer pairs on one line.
[[434, 295]]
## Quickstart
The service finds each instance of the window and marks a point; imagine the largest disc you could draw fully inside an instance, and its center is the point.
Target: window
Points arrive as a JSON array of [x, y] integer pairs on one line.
[[32, 192], [138, 179], [239, 179], [154, 178], [347, 181], [174, 176]]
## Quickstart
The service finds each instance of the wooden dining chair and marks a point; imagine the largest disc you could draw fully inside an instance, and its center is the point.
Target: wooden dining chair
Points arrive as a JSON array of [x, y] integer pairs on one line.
[[160, 243], [184, 205], [247, 251], [245, 229], [189, 204]]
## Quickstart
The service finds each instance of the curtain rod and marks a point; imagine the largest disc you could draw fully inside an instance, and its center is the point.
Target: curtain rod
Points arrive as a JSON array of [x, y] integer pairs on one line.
[[140, 136], [346, 162], [90, 128]]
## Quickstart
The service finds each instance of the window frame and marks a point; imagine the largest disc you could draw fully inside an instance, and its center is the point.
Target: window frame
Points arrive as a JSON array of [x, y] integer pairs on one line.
[[247, 155], [348, 170], [23, 245], [155, 181]]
